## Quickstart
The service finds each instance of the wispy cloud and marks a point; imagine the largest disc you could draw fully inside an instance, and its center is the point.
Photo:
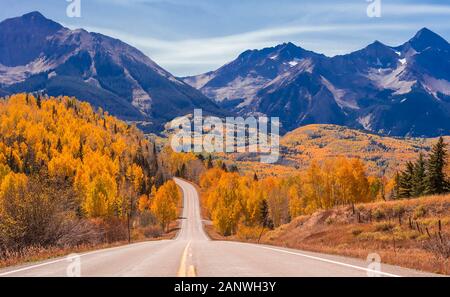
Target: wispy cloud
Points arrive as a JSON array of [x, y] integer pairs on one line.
[[199, 35], [208, 53]]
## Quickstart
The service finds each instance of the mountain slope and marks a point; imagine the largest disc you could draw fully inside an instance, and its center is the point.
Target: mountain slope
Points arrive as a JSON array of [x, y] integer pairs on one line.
[[37, 54], [383, 155], [399, 91]]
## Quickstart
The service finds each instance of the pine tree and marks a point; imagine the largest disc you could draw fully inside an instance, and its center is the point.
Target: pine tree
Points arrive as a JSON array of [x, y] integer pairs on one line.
[[406, 181], [59, 147], [224, 167], [80, 151], [435, 178], [418, 179], [154, 160], [209, 164], [234, 168], [255, 177], [264, 218], [183, 171], [39, 102]]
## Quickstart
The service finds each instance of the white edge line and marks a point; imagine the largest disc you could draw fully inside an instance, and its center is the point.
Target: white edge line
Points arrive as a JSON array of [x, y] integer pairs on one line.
[[81, 255], [263, 247], [322, 260]]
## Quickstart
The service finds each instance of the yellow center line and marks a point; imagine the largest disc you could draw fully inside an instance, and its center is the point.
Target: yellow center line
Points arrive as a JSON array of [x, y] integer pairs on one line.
[[182, 271], [191, 271]]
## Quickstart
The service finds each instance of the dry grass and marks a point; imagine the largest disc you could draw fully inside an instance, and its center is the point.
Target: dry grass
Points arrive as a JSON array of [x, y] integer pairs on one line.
[[339, 231], [382, 227]]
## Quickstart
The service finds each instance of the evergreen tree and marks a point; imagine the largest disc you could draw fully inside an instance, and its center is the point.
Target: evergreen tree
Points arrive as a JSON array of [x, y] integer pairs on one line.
[[255, 177], [234, 168], [80, 151], [154, 160], [418, 179], [59, 147], [264, 219], [435, 178], [406, 181], [224, 167], [183, 171], [39, 102], [209, 164]]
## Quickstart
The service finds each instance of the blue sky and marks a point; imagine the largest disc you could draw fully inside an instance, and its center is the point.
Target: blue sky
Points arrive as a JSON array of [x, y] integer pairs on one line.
[[193, 36]]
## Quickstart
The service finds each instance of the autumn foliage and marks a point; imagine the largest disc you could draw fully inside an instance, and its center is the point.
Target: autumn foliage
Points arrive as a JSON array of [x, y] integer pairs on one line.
[[66, 167], [165, 204], [235, 201]]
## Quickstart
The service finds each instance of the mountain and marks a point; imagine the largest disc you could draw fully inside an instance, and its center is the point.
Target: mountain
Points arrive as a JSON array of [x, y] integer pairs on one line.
[[40, 55], [397, 91]]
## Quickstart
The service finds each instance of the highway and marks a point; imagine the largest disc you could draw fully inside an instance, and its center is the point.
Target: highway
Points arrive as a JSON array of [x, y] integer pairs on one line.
[[192, 253]]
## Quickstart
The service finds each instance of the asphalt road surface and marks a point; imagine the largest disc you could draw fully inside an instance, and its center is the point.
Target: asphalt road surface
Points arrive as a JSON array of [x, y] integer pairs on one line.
[[192, 253]]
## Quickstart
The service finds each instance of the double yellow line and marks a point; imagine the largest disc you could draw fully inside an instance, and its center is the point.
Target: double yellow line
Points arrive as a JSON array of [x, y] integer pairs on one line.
[[185, 270]]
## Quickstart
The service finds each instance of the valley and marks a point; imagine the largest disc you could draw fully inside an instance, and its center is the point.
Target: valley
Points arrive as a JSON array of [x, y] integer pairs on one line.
[[88, 162]]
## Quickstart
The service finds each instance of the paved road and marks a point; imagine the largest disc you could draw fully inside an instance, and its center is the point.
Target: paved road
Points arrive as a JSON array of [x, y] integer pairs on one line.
[[191, 253]]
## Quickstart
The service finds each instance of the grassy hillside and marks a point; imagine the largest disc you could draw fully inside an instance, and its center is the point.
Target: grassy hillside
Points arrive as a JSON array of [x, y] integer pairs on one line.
[[412, 233], [325, 141], [320, 142]]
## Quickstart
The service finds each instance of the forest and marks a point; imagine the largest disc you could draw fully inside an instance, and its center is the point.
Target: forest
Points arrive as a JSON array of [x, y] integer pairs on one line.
[[245, 204], [72, 175]]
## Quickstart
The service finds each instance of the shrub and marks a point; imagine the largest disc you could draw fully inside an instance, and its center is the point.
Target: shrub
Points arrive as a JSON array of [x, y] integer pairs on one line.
[[147, 219], [439, 246], [248, 233], [356, 232], [115, 230], [378, 214], [153, 231], [419, 211], [398, 210], [384, 227], [360, 208]]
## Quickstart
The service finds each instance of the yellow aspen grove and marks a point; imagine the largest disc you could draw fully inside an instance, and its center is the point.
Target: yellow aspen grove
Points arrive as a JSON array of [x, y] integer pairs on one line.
[[295, 201], [165, 204], [69, 160], [233, 200], [143, 203]]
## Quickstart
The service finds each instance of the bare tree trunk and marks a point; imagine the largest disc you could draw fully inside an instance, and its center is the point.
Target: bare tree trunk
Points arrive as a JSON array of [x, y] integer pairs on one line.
[[129, 228], [260, 235]]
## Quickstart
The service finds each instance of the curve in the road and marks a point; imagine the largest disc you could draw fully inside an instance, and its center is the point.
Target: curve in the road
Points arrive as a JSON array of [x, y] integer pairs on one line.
[[191, 253]]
